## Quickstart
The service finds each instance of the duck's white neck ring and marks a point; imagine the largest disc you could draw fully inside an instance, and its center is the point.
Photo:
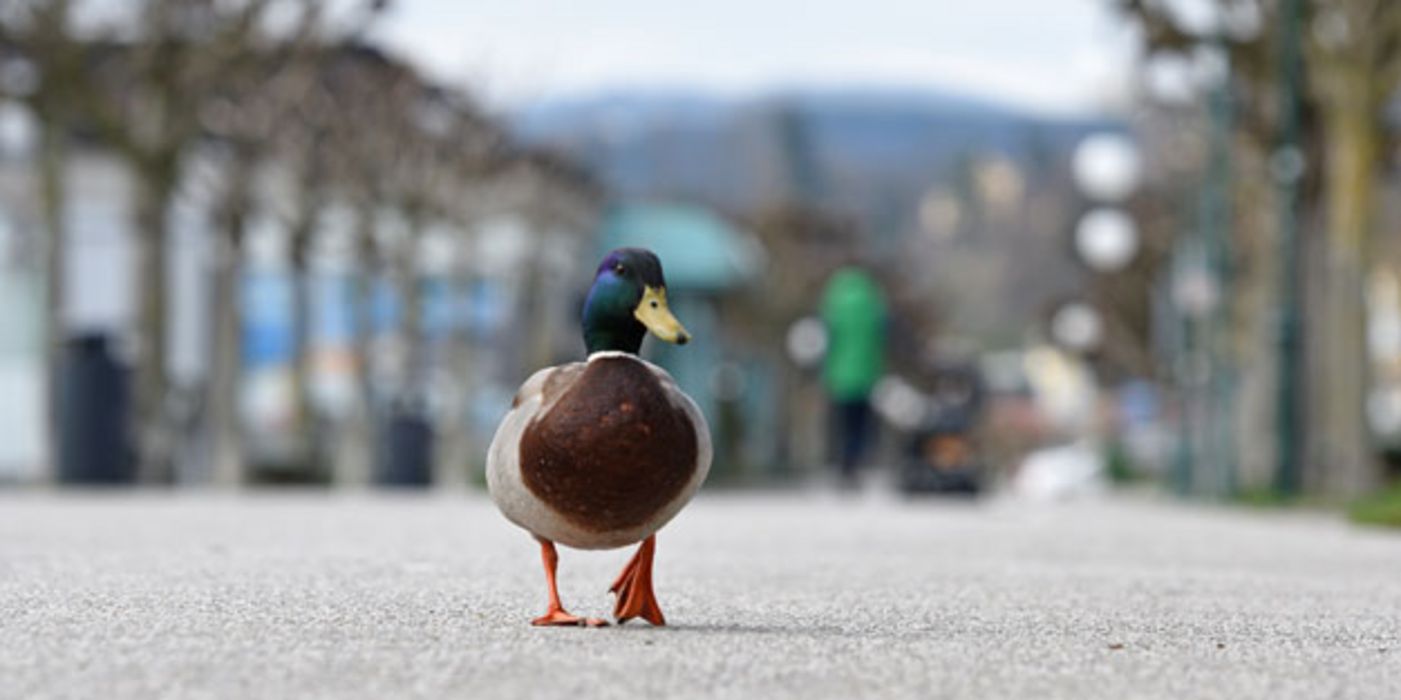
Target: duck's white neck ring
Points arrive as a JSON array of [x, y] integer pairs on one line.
[[610, 353]]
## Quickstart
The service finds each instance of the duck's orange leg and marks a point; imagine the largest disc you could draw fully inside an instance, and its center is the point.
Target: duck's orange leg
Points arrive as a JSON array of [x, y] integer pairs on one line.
[[556, 614], [634, 587]]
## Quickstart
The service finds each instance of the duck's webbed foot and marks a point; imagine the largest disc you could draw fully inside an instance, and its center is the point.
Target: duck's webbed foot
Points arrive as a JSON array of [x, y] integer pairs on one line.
[[560, 618], [555, 615], [634, 588]]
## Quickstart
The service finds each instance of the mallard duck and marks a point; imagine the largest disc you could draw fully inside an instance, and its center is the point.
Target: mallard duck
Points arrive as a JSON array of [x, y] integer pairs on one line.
[[601, 454]]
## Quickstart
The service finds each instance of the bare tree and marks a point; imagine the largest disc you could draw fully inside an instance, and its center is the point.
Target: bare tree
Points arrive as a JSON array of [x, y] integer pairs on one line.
[[262, 101], [38, 46], [361, 155], [154, 70], [1355, 61]]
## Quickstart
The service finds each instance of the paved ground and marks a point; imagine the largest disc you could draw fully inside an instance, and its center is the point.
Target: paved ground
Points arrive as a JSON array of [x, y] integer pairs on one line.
[[770, 597]]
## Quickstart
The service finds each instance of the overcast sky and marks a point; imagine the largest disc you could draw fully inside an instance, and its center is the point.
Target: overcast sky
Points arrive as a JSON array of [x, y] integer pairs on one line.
[[1058, 56]]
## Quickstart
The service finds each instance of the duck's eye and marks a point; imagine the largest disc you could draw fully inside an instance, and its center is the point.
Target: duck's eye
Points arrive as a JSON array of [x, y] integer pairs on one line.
[[655, 304]]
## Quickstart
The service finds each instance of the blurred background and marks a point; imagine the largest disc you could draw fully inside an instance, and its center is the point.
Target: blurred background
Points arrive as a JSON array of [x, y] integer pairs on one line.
[[1043, 247]]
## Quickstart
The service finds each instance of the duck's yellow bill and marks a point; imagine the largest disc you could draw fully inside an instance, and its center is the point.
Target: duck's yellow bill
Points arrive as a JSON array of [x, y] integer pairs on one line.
[[654, 314]]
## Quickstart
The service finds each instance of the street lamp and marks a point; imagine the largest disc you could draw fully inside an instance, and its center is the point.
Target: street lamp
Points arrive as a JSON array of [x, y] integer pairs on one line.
[[1107, 169], [1202, 286], [1287, 166]]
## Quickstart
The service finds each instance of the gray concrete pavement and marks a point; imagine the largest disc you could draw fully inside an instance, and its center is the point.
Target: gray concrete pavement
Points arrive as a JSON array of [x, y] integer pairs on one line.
[[770, 596]]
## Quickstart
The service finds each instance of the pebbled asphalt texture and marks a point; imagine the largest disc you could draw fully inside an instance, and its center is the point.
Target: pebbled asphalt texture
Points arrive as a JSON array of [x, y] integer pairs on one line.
[[769, 596]]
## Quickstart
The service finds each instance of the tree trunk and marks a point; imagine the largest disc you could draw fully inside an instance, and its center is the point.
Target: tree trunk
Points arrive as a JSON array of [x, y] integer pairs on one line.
[[536, 335], [410, 372], [458, 457], [225, 386], [355, 449], [152, 428], [53, 191], [1344, 462], [1256, 350], [304, 415], [225, 372]]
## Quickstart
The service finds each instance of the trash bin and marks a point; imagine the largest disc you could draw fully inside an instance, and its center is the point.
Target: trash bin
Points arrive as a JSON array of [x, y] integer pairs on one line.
[[94, 414], [406, 451]]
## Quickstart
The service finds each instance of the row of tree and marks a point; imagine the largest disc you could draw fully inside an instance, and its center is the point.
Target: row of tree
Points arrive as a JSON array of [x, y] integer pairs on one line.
[[1305, 86], [289, 92]]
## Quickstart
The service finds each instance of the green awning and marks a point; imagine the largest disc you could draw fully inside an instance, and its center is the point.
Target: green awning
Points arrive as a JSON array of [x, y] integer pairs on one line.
[[698, 249]]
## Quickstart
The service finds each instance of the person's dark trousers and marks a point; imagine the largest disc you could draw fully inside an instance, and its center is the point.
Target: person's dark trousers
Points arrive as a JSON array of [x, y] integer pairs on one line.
[[852, 424]]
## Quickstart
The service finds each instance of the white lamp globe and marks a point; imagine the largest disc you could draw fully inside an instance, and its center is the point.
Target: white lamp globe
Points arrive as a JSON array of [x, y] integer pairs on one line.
[[806, 341], [1106, 239], [1107, 167], [1077, 326]]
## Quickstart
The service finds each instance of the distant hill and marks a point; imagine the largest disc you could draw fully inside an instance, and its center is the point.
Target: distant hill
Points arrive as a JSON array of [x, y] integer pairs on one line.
[[865, 150]]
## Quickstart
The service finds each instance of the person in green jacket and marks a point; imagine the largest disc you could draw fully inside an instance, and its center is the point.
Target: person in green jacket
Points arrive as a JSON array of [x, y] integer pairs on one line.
[[854, 312]]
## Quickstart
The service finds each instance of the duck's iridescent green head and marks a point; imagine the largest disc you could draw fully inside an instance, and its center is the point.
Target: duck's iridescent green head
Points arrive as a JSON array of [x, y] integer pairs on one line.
[[628, 298]]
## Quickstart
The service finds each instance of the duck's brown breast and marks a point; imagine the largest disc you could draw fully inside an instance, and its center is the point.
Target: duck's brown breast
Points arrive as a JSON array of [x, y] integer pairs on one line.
[[612, 450]]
